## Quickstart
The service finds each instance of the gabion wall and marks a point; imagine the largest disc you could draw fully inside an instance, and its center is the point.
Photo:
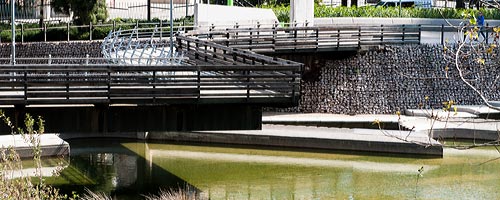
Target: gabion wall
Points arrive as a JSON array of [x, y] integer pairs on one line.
[[390, 79], [55, 49]]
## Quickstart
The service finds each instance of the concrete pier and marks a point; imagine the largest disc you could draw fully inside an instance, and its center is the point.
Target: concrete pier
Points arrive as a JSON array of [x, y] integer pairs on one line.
[[51, 145]]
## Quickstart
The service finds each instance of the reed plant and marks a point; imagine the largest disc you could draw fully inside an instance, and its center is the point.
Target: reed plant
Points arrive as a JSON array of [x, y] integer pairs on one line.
[[28, 186]]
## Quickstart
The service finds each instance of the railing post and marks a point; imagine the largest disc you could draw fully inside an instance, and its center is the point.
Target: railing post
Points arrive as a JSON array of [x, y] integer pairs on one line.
[[247, 73], [109, 83], [419, 33], [22, 33], [137, 28], [486, 38], [25, 84], [87, 60], [161, 29], [293, 87], [381, 34], [90, 31], [67, 82], [317, 38], [442, 34], [338, 39], [250, 41], [359, 37], [114, 25], [295, 40], [404, 29], [154, 85], [227, 37], [198, 79], [45, 32], [68, 29], [274, 34], [50, 59]]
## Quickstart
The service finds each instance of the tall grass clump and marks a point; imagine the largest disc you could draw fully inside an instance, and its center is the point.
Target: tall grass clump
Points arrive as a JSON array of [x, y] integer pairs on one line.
[[173, 194]]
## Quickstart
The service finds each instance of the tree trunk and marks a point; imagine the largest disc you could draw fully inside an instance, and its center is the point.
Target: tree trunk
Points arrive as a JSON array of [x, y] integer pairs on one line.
[[354, 3], [460, 4], [344, 2], [42, 13]]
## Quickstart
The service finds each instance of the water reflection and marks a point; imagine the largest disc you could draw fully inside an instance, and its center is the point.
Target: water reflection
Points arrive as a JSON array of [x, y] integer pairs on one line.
[[126, 169]]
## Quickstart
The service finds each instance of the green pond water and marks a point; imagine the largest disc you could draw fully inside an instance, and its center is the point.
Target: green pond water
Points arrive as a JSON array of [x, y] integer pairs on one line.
[[126, 169]]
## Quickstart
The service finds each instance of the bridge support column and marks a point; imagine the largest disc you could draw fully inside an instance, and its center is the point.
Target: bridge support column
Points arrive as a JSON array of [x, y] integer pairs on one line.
[[302, 12]]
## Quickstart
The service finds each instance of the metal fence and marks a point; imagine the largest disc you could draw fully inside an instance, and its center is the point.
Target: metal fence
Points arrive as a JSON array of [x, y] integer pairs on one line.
[[126, 9]]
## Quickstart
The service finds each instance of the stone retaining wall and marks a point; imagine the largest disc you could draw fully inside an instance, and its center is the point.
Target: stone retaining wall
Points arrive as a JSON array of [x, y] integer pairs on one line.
[[55, 49], [387, 80]]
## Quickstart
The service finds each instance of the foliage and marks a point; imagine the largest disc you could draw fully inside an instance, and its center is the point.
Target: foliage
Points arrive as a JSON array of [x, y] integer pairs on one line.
[[391, 12], [24, 187], [84, 11], [475, 59], [282, 12]]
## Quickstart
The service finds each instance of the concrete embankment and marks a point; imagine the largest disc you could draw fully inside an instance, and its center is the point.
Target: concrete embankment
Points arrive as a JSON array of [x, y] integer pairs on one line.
[[303, 137], [50, 145]]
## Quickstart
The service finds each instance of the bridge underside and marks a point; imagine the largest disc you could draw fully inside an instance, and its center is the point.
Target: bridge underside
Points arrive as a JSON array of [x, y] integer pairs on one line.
[[137, 119]]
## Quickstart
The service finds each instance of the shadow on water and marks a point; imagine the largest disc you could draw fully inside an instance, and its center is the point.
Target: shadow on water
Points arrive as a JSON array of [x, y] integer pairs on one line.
[[105, 165], [128, 168]]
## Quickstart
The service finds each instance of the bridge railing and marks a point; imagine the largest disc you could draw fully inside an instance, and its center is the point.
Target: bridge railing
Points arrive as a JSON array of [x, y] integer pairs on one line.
[[322, 38], [118, 84]]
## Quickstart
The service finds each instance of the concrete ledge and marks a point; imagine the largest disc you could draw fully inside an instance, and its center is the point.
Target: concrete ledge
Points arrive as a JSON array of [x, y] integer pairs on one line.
[[51, 145], [228, 16], [389, 122], [389, 21], [364, 140]]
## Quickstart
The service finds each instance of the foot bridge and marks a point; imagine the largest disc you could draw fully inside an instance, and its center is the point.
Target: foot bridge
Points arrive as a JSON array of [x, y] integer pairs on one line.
[[214, 80]]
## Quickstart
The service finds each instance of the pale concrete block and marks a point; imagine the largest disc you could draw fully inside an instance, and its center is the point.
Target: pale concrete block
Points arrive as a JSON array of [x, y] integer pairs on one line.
[[302, 12], [371, 21], [228, 16], [401, 20], [342, 20], [323, 21]]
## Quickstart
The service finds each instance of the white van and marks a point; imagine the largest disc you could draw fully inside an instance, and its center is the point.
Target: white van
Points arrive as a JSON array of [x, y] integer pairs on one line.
[[406, 3]]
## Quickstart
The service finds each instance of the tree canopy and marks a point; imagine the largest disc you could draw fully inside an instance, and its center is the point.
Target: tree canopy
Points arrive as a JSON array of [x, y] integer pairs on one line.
[[84, 11]]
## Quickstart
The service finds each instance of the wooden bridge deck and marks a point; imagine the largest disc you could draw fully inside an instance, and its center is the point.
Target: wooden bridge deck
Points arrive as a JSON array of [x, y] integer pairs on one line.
[[313, 39], [219, 67], [109, 84]]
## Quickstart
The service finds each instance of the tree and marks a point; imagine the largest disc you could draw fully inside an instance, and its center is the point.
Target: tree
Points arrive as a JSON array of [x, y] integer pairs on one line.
[[476, 58], [473, 60], [84, 11], [42, 12]]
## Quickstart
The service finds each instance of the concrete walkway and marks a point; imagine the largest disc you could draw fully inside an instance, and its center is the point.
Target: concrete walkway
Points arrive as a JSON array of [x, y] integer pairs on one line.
[[307, 137]]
